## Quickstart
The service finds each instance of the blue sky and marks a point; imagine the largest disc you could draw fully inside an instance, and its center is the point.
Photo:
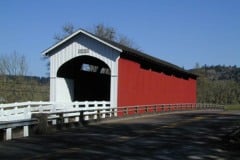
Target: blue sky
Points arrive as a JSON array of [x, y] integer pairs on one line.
[[183, 32]]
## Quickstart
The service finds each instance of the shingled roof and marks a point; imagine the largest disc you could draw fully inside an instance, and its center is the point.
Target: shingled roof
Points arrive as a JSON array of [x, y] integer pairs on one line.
[[127, 52]]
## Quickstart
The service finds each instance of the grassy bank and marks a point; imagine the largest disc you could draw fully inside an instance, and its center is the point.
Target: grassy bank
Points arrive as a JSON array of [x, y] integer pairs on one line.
[[232, 107]]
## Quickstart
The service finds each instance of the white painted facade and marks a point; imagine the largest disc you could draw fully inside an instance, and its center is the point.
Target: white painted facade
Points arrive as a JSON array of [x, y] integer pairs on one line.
[[61, 89]]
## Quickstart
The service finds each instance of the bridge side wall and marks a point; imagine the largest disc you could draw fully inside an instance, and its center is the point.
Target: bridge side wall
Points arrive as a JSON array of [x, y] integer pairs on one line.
[[139, 86]]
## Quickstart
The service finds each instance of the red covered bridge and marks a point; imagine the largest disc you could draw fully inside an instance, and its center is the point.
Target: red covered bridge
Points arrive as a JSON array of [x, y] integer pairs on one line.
[[85, 67]]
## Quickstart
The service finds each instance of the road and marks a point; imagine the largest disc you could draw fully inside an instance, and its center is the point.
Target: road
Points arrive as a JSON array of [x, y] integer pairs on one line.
[[189, 135]]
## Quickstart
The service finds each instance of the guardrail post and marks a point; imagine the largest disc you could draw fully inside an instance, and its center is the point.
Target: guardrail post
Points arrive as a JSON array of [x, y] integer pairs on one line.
[[8, 133], [98, 115], [155, 108], [115, 112], [163, 108], [81, 118], [42, 126], [86, 106], [136, 110], [146, 109], [104, 111], [60, 122], [25, 131]]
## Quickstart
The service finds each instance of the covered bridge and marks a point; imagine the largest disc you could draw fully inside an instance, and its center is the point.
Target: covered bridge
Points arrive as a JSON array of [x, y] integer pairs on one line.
[[85, 67]]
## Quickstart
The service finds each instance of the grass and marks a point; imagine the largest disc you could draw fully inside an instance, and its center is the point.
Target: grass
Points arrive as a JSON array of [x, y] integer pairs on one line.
[[232, 107]]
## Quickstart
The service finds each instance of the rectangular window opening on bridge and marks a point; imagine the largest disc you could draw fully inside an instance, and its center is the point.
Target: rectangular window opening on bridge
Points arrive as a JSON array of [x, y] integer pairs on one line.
[[93, 68]]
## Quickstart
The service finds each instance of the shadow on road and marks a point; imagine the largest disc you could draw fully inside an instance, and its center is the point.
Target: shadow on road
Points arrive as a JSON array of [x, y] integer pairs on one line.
[[173, 136]]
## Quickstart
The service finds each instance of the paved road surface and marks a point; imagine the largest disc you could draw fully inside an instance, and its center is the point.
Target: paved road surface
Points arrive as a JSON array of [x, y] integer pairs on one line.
[[194, 135]]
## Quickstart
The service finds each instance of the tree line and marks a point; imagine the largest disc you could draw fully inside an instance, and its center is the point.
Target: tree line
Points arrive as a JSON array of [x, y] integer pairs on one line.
[[218, 84]]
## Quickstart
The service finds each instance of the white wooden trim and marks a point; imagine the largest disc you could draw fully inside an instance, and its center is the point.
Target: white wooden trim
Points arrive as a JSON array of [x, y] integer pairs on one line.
[[44, 53]]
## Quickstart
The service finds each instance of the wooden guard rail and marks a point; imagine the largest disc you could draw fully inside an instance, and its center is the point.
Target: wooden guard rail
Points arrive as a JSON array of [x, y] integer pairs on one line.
[[131, 110]]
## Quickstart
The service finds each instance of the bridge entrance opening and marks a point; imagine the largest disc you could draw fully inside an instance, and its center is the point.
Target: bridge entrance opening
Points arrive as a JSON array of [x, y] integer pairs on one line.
[[90, 78]]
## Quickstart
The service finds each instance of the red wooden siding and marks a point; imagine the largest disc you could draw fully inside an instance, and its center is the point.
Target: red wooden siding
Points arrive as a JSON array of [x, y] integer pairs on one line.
[[138, 86]]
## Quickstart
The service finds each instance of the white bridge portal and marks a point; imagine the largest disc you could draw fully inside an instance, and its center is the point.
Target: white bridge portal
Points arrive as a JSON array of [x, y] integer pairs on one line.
[[83, 68]]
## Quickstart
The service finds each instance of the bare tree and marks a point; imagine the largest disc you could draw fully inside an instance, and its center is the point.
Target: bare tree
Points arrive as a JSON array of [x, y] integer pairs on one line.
[[126, 41], [105, 32], [111, 34], [67, 30], [99, 30], [13, 68], [13, 64]]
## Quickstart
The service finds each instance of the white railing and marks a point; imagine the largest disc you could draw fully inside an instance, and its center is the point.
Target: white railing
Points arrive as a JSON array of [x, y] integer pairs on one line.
[[24, 114], [24, 110]]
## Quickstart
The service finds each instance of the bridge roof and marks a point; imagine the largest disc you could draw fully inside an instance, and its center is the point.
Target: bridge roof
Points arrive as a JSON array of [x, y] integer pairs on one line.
[[125, 51]]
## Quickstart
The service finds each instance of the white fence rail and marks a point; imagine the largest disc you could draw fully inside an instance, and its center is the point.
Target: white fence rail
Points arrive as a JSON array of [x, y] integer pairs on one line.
[[24, 110]]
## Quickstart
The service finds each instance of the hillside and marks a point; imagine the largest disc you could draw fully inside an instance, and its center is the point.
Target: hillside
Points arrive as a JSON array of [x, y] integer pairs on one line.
[[23, 88], [218, 84]]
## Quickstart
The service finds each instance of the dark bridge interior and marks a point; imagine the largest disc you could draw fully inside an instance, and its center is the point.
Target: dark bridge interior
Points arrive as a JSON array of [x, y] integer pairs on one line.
[[91, 78]]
